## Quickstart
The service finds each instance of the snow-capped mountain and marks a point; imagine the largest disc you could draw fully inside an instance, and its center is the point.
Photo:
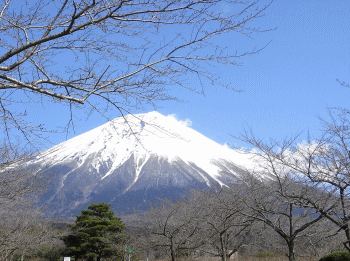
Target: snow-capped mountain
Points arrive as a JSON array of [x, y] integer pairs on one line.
[[132, 160]]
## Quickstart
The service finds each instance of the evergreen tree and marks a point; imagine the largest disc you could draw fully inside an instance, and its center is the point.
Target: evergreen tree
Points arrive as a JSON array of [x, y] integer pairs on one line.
[[96, 233]]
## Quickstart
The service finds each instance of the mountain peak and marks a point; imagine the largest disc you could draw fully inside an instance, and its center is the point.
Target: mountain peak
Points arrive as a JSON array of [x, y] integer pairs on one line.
[[142, 135], [138, 152]]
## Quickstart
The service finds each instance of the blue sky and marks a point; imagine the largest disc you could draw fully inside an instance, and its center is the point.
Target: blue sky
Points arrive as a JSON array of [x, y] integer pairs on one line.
[[286, 87], [289, 84]]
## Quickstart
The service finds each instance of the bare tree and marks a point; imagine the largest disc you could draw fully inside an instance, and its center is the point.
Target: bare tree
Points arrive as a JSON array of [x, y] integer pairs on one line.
[[24, 232], [22, 227], [225, 229], [278, 201], [100, 54], [323, 164], [328, 165], [17, 182], [174, 228]]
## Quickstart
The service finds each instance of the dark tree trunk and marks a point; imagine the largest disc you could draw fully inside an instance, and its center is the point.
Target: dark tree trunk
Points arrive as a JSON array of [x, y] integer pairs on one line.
[[291, 256], [223, 242], [173, 253]]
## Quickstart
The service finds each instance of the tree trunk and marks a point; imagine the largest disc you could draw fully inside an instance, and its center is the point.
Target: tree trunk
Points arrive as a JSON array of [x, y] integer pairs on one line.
[[223, 257], [291, 236], [223, 246], [346, 225], [173, 254], [291, 256]]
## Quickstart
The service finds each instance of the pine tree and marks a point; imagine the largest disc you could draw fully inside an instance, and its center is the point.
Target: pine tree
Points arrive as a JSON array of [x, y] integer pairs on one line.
[[96, 233]]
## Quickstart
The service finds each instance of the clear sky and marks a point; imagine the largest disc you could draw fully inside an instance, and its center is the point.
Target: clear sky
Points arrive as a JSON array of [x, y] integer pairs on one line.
[[289, 84], [286, 87]]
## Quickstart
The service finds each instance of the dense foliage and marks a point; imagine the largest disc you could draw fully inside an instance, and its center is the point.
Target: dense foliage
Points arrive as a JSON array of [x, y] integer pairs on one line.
[[95, 234], [337, 256]]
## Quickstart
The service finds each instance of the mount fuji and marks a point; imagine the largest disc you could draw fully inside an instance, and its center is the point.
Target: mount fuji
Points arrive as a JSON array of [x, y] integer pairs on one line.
[[131, 162]]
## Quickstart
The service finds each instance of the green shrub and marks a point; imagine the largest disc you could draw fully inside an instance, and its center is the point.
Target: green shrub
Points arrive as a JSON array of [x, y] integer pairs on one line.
[[337, 256], [265, 255]]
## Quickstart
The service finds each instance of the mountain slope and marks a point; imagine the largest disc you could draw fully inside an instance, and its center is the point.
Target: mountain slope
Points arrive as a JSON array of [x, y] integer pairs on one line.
[[133, 160]]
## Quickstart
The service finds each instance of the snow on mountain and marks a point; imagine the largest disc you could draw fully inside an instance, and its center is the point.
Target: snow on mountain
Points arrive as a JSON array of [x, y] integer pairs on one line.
[[142, 135], [135, 154]]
